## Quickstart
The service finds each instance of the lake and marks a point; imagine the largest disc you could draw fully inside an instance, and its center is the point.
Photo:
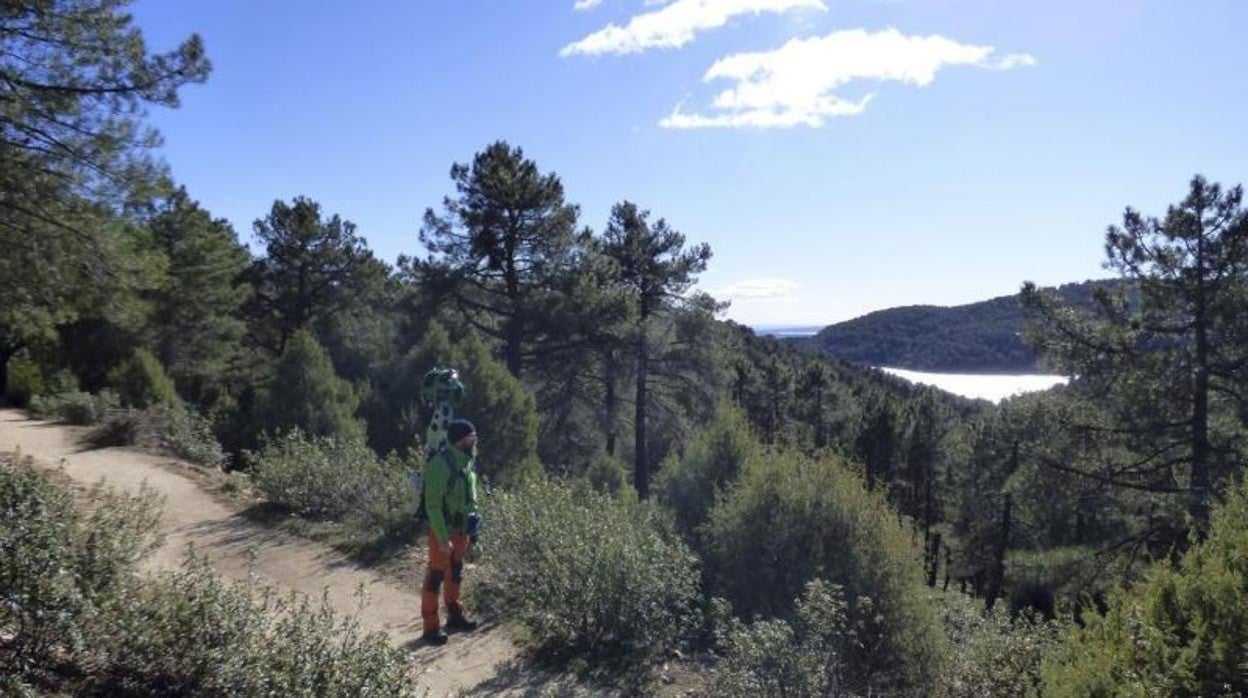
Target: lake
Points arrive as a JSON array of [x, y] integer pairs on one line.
[[786, 331], [993, 387]]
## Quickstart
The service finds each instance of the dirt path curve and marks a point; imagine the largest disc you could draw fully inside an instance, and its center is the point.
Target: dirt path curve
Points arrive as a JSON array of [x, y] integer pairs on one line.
[[194, 516]]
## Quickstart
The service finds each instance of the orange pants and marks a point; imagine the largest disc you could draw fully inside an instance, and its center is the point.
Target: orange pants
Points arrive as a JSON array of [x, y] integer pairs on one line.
[[444, 573]]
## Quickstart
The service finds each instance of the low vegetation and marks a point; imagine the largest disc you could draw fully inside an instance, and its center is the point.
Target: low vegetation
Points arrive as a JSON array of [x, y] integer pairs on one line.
[[335, 479], [77, 408], [1181, 631], [76, 617], [590, 577], [791, 519], [169, 428]]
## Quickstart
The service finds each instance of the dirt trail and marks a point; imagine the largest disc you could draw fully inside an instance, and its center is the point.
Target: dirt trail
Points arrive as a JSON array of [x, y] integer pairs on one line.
[[472, 663]]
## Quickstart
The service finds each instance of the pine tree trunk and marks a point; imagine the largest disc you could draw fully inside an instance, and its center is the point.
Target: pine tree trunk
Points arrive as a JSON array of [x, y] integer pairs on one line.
[[641, 468], [515, 323], [774, 423], [870, 468], [821, 436], [928, 508], [934, 566], [4, 374], [1199, 506], [998, 568], [8, 349], [514, 337], [611, 403]]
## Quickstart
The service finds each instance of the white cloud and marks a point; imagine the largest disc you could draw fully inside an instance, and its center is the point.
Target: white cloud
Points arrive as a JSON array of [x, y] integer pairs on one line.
[[757, 289], [582, 5], [1014, 60], [797, 84], [676, 23]]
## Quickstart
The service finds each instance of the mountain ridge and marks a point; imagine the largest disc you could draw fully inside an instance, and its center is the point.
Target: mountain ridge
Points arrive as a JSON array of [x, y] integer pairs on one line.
[[981, 337]]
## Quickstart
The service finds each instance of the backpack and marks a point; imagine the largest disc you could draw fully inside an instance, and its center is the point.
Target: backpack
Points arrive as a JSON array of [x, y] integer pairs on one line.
[[418, 482]]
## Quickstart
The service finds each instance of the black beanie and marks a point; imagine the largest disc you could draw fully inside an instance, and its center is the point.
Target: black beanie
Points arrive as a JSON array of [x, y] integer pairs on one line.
[[458, 429]]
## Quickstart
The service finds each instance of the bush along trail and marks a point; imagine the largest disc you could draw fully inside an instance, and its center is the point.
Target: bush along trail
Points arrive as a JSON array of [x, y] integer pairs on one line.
[[239, 549]]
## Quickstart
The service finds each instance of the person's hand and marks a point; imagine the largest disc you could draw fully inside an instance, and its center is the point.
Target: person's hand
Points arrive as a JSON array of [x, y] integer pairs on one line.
[[444, 547]]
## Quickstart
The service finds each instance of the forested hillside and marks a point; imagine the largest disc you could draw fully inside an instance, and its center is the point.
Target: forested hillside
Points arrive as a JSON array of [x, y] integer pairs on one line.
[[661, 482], [983, 337]]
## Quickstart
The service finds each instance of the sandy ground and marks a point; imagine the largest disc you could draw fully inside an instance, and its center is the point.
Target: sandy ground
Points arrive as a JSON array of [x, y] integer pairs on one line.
[[479, 663]]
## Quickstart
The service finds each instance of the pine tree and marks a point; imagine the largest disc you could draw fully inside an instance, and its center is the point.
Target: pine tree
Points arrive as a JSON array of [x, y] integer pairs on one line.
[[815, 387], [1169, 362], [142, 382], [306, 393], [656, 269], [313, 268], [498, 245], [194, 323], [75, 78], [580, 379]]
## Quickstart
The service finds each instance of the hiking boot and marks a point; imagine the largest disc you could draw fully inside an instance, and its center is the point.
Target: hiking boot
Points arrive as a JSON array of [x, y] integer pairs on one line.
[[459, 623], [437, 638]]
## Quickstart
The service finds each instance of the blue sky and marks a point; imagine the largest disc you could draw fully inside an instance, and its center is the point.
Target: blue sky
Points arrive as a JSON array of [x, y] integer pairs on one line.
[[840, 156]]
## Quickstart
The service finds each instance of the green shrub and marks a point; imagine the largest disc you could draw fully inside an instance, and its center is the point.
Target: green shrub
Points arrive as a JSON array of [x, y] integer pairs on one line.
[[171, 429], [25, 381], [236, 483], [590, 576], [42, 604], [332, 479], [306, 394], [808, 657], [186, 434], [689, 483], [1182, 631], [123, 428], [141, 381], [57, 567], [190, 633], [992, 654], [72, 601], [11, 685], [62, 381], [1052, 581], [81, 409], [610, 476], [790, 519]]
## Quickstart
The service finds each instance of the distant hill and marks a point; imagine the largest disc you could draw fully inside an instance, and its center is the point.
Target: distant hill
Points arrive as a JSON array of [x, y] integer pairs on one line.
[[983, 337]]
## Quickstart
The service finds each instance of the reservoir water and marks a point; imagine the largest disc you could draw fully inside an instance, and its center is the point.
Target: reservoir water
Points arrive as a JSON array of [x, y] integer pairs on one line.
[[993, 387]]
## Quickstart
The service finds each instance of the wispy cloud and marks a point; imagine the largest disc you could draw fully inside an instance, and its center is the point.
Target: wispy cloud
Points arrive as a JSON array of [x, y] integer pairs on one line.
[[676, 24], [798, 83], [757, 289], [582, 5]]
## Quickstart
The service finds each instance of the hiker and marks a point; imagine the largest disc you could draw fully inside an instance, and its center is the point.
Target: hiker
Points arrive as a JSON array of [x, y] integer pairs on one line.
[[450, 492]]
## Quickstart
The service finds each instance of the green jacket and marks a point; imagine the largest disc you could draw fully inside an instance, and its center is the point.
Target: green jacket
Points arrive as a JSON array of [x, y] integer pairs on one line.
[[450, 491]]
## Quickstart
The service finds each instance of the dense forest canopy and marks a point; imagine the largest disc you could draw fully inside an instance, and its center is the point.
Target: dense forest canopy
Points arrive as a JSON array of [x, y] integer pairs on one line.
[[809, 504]]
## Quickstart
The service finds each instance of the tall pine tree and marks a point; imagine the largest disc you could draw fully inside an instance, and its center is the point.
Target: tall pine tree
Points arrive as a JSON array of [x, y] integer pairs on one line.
[[194, 323], [313, 267], [1168, 365], [498, 245], [657, 270]]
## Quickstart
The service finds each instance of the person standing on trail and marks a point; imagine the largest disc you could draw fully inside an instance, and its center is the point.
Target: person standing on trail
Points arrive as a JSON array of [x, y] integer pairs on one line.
[[450, 499]]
